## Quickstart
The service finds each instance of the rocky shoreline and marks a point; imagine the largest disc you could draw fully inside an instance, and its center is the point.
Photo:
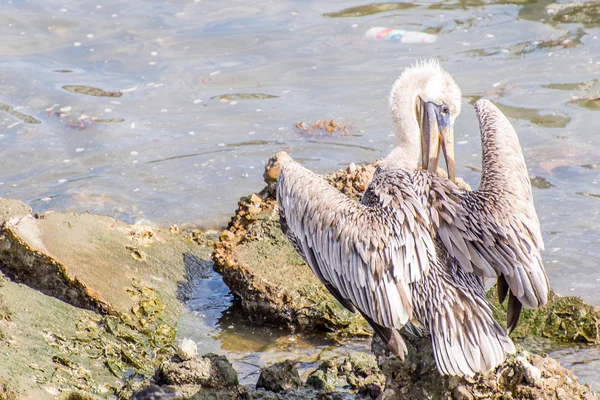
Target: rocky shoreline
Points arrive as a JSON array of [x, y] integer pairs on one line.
[[89, 309]]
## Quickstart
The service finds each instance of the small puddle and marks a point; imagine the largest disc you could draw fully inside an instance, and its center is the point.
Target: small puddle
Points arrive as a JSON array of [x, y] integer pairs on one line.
[[215, 320]]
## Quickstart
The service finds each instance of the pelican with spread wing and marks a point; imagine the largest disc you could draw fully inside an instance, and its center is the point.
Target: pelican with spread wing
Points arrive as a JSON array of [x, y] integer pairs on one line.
[[416, 247]]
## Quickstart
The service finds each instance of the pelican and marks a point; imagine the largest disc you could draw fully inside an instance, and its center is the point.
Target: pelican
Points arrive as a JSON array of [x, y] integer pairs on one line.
[[416, 248]]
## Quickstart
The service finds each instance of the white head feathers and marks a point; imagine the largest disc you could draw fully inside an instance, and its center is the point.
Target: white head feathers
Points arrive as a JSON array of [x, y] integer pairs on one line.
[[430, 82]]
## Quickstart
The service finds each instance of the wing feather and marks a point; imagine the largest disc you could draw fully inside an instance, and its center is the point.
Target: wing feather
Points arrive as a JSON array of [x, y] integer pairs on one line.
[[495, 230], [368, 252]]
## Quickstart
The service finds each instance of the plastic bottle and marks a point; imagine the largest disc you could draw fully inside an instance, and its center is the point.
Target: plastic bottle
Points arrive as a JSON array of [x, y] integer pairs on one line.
[[398, 35]]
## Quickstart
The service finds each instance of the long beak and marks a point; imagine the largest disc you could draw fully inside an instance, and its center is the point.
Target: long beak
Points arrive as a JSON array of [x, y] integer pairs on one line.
[[433, 137], [448, 149], [430, 139]]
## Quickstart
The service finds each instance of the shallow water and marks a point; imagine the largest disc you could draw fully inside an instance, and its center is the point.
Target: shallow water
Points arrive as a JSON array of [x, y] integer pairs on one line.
[[211, 89]]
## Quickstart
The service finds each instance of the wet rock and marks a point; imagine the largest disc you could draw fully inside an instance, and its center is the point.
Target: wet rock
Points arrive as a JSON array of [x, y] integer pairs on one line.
[[70, 256], [564, 319], [521, 376], [358, 371], [10, 208], [325, 377], [154, 392], [208, 371], [98, 312], [279, 377], [274, 284], [361, 371]]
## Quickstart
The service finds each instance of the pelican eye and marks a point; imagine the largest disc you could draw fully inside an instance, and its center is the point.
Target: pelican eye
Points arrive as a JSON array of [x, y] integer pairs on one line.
[[445, 110]]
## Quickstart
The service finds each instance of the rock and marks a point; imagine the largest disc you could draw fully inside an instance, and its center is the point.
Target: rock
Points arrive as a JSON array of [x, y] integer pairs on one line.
[[322, 380], [564, 319], [521, 376], [153, 392], [586, 13], [279, 377], [10, 208], [187, 349], [48, 346], [325, 377], [461, 393], [69, 256], [208, 371], [358, 371], [274, 284], [98, 310]]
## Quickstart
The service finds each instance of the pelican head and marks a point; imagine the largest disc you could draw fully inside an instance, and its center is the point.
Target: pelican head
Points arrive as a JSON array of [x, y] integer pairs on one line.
[[424, 103]]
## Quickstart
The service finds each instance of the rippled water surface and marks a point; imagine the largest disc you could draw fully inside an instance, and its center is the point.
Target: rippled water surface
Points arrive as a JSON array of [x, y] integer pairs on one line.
[[184, 101]]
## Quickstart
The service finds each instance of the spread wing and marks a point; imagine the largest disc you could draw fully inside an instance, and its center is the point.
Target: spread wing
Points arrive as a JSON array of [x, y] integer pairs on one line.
[[368, 253], [494, 231]]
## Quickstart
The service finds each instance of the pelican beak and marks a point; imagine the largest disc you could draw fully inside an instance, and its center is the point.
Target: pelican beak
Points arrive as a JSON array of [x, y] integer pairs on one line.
[[448, 149], [436, 132]]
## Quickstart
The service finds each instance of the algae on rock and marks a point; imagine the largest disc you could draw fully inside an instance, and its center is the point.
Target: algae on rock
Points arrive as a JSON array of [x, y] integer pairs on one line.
[[94, 318], [565, 319], [523, 376]]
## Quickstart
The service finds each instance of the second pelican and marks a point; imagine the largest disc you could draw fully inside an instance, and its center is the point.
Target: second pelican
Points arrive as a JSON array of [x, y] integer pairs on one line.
[[417, 247]]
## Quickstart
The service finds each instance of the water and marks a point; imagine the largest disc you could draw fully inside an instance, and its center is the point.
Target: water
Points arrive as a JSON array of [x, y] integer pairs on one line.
[[211, 89]]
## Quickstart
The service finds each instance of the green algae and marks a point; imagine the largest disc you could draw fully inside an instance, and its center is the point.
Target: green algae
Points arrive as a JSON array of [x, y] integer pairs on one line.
[[91, 91], [17, 114], [369, 9], [565, 319], [74, 349]]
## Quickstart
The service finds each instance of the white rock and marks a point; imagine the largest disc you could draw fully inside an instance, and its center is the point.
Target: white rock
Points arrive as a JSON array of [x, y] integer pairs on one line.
[[187, 349]]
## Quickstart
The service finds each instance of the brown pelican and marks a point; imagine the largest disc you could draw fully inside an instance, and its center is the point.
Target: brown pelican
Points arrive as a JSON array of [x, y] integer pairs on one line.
[[417, 247]]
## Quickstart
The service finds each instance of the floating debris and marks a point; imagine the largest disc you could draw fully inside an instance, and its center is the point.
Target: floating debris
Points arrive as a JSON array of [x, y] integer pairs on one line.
[[17, 114], [242, 96], [398, 35], [321, 128], [83, 121], [91, 91], [500, 89]]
